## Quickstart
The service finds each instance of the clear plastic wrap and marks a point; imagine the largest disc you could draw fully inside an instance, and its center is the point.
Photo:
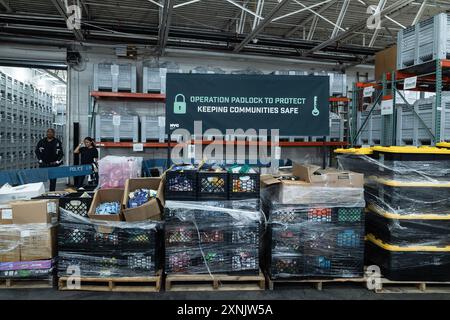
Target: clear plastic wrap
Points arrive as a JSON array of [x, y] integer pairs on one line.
[[409, 262], [414, 181], [407, 190], [114, 171], [108, 248], [321, 239], [213, 237]]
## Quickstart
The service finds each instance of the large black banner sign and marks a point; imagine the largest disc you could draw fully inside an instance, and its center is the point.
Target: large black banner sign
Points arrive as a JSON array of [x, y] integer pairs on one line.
[[296, 105]]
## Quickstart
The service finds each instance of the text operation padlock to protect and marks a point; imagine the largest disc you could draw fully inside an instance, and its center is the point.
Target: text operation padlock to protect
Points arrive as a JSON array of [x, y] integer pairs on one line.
[[179, 105]]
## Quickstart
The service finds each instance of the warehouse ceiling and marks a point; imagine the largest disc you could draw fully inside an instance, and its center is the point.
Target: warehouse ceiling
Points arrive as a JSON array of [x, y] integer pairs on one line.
[[337, 30]]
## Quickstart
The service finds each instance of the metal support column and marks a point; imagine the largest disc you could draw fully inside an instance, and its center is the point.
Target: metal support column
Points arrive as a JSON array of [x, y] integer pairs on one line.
[[437, 120], [354, 114]]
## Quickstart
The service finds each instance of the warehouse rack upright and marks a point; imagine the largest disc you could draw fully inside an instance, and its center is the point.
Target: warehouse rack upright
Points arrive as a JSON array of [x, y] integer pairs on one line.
[[431, 126]]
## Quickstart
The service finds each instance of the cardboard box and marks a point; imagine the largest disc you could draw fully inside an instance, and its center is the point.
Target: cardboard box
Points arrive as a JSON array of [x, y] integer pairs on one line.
[[315, 186], [385, 61], [151, 210], [5, 215], [106, 195], [38, 242], [23, 192], [9, 244], [35, 211]]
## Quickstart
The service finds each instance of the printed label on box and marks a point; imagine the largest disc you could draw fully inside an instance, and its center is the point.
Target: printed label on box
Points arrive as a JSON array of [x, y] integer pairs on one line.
[[51, 207], [387, 107], [7, 214]]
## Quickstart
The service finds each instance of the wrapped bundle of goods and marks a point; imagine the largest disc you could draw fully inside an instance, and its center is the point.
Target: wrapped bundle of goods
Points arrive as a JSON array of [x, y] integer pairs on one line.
[[316, 222], [108, 248], [408, 219], [213, 237]]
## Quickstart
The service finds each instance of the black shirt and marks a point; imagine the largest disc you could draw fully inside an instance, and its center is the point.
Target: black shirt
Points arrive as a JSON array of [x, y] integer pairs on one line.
[[49, 151], [88, 155]]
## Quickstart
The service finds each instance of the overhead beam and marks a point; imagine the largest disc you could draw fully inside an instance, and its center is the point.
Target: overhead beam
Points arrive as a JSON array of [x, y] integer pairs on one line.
[[420, 13], [261, 25], [340, 18], [313, 27], [308, 19], [62, 11], [6, 6], [362, 24], [164, 27]]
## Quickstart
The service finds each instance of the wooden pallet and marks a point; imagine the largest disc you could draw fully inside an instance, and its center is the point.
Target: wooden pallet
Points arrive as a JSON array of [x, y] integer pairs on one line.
[[116, 284], [316, 283], [26, 284], [216, 282], [389, 286]]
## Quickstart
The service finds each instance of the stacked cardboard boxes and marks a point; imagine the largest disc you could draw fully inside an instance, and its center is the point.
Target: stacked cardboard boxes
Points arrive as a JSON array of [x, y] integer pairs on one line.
[[28, 239]]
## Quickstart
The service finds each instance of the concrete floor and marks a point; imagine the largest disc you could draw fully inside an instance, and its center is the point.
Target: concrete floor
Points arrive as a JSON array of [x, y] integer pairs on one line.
[[330, 292]]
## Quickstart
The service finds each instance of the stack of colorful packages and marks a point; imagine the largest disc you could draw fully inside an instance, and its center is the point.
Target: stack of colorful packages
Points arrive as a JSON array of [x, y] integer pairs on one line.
[[114, 171], [407, 191], [138, 197], [213, 237], [108, 248], [316, 223]]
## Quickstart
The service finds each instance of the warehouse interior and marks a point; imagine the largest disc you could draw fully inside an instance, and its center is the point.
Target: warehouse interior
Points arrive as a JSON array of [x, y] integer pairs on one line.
[[104, 75]]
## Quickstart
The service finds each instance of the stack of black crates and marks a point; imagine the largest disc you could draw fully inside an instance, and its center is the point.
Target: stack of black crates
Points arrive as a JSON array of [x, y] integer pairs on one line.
[[212, 237], [213, 222], [320, 237], [108, 249], [408, 218]]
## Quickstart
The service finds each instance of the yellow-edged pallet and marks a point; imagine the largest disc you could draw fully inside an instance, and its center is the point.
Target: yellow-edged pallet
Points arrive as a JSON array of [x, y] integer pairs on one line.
[[26, 284], [216, 282], [114, 284]]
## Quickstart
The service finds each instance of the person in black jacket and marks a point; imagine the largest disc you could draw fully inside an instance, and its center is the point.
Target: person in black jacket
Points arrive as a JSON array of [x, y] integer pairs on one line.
[[89, 155], [49, 152]]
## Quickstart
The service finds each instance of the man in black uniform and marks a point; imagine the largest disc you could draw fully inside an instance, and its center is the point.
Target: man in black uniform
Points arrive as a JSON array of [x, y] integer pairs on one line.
[[50, 153]]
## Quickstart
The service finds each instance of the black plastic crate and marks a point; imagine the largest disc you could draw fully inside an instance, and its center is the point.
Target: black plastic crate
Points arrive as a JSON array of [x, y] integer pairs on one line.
[[135, 239], [244, 259], [409, 265], [285, 265], [285, 238], [187, 234], [332, 215], [244, 185], [407, 231], [212, 185], [413, 166], [195, 261], [125, 264], [75, 237], [181, 185], [411, 199], [243, 234], [75, 203], [337, 265]]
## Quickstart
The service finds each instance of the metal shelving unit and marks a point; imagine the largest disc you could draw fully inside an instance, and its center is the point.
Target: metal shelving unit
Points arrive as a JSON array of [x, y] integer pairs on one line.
[[432, 77], [25, 114]]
